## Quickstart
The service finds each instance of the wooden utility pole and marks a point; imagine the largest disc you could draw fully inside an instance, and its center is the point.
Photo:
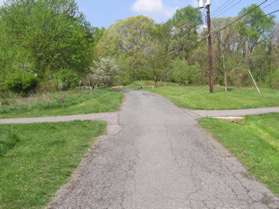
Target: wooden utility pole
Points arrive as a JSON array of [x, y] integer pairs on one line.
[[210, 52]]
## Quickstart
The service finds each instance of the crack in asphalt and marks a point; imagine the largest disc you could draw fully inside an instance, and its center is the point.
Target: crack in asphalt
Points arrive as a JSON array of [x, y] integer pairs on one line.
[[156, 156]]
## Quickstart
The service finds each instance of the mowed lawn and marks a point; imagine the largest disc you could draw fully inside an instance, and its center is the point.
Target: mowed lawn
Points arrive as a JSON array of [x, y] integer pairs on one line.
[[36, 160], [62, 103], [199, 98], [255, 142]]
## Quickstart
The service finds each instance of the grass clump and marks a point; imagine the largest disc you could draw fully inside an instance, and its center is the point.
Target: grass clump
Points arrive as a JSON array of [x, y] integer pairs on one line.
[[63, 103], [7, 141]]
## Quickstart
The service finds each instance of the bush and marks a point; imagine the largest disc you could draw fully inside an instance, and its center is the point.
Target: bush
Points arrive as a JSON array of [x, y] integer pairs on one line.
[[66, 79], [183, 73], [46, 86], [104, 73], [239, 77], [3, 91], [124, 75], [274, 79], [22, 82]]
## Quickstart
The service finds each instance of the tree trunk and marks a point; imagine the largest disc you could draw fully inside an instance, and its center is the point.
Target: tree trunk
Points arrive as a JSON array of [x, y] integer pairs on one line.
[[225, 73], [226, 81]]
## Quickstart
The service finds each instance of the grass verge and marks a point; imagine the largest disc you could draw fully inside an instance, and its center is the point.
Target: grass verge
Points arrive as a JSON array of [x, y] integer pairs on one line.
[[199, 98], [255, 142], [40, 160], [62, 103]]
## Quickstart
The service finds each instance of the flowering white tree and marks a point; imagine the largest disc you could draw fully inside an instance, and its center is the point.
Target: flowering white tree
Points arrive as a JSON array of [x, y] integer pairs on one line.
[[103, 73]]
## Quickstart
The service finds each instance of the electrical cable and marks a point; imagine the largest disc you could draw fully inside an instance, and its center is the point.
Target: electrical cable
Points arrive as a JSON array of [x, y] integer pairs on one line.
[[223, 6], [218, 14]]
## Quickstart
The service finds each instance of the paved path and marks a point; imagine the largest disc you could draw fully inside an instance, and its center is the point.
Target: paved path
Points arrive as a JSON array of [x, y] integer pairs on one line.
[[161, 159], [234, 113], [110, 118]]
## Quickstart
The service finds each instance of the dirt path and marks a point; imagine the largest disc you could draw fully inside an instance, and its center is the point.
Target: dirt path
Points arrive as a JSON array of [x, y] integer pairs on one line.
[[161, 159]]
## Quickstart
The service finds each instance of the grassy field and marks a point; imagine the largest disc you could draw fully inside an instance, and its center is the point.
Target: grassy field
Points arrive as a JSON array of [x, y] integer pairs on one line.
[[199, 98], [62, 103], [255, 142], [35, 160]]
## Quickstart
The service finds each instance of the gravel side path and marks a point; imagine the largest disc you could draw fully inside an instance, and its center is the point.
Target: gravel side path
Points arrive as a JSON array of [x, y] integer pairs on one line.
[[233, 113], [110, 118], [161, 159]]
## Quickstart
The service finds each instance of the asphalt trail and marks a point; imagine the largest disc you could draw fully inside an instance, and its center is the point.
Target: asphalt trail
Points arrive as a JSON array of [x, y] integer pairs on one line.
[[161, 159]]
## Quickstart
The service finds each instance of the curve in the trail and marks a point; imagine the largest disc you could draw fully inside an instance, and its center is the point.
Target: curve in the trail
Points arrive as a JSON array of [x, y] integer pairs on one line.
[[161, 159]]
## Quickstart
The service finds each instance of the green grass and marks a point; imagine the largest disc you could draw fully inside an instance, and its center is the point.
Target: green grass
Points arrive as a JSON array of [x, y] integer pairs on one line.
[[255, 142], [62, 103], [41, 160], [7, 141], [199, 98]]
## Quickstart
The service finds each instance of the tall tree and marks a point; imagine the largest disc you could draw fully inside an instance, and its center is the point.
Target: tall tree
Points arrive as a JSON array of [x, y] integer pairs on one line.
[[255, 27], [226, 49], [129, 39], [97, 34], [182, 30], [159, 59], [46, 35]]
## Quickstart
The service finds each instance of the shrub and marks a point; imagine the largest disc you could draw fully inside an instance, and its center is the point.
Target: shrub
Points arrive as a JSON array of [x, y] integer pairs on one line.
[[123, 77], [22, 82], [274, 79], [103, 73], [239, 77], [66, 79], [183, 73], [3, 91], [46, 86]]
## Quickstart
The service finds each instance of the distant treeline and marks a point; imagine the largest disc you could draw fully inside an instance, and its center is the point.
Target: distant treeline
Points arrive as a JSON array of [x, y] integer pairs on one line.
[[48, 45]]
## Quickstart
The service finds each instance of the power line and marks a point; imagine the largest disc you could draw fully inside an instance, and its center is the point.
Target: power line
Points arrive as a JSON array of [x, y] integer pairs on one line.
[[273, 12], [224, 27], [269, 4], [223, 6], [237, 19], [268, 12], [229, 6], [241, 17], [234, 21]]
